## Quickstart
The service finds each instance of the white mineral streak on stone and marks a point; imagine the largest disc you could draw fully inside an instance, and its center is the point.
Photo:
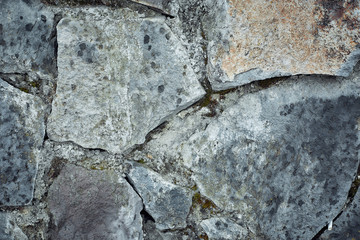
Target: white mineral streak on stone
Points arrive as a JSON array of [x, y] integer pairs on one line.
[[222, 228], [160, 5], [120, 76], [262, 39]]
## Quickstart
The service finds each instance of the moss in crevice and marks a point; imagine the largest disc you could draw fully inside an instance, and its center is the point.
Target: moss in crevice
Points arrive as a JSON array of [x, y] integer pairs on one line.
[[266, 83], [200, 201]]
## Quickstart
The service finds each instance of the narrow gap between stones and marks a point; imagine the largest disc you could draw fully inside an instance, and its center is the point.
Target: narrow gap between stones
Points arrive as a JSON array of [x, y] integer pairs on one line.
[[79, 146], [350, 197]]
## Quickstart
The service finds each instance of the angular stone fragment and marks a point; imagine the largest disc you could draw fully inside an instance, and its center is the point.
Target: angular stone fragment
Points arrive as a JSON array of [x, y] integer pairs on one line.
[[255, 40], [22, 132], [347, 226], [120, 76], [284, 157], [167, 203], [26, 39], [222, 228], [9, 230], [93, 204]]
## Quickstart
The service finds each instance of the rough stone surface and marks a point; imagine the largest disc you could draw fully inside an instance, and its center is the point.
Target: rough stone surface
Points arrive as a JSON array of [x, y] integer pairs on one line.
[[118, 79], [255, 40], [167, 203], [22, 132], [222, 228], [347, 226], [93, 204], [283, 157], [26, 38], [162, 6], [9, 230]]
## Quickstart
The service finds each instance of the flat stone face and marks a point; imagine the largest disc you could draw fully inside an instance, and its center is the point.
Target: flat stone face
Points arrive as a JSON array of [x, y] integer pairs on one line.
[[284, 157], [348, 224], [120, 76], [260, 39], [21, 135], [93, 204], [167, 203], [222, 228], [26, 40]]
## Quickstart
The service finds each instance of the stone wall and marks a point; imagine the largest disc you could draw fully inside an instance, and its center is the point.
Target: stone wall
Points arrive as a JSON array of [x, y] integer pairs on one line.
[[179, 119]]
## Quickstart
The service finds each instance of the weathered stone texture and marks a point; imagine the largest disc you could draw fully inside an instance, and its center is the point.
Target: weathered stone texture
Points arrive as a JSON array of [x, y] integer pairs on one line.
[[347, 226], [259, 39], [167, 203], [22, 132], [120, 76], [9, 230], [283, 157], [26, 38], [222, 228], [93, 204]]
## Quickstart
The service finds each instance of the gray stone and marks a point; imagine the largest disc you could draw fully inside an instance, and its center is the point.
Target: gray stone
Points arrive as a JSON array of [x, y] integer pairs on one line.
[[222, 228], [93, 204], [347, 226], [26, 38], [162, 6], [284, 158], [167, 203], [22, 132], [9, 230], [256, 40], [4, 231], [120, 76]]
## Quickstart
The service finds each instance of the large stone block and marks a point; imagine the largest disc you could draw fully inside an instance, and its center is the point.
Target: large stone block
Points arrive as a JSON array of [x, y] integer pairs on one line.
[[284, 158], [22, 132], [167, 203], [255, 40], [93, 204], [26, 38], [120, 76]]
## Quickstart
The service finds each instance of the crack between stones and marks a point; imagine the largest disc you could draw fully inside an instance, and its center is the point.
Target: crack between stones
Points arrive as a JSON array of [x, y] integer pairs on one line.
[[354, 188], [145, 215]]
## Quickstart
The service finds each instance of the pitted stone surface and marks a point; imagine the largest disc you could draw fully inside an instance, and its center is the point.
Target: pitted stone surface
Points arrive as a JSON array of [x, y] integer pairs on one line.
[[120, 76], [94, 204], [26, 40], [255, 40], [22, 132], [167, 203], [222, 228], [347, 226], [283, 157]]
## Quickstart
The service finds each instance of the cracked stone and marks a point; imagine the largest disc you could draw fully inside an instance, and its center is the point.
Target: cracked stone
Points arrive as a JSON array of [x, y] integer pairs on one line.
[[118, 79], [167, 203], [93, 204], [348, 224], [26, 40], [284, 157], [261, 39], [22, 132]]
